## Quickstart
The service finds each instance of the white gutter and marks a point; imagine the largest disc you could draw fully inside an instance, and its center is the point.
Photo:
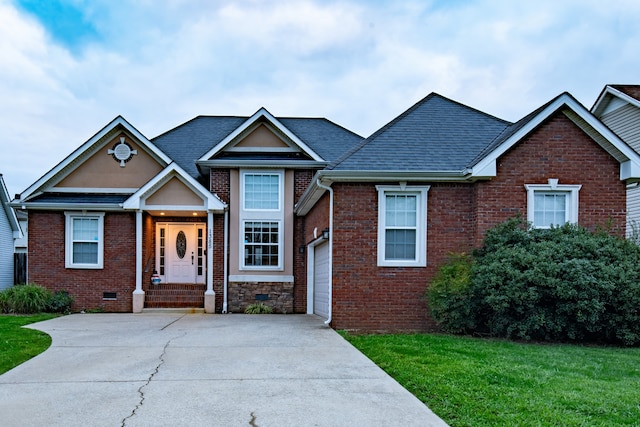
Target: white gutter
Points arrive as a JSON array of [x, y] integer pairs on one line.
[[330, 190], [226, 249]]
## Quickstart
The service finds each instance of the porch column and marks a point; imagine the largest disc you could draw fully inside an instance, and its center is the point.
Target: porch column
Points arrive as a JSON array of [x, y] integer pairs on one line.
[[138, 294], [210, 295]]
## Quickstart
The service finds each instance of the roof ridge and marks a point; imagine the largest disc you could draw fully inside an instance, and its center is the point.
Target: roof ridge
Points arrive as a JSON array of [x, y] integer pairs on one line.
[[403, 115], [508, 131]]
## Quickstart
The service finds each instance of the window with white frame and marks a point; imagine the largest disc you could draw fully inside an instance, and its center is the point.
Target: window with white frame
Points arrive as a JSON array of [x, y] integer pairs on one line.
[[402, 219], [552, 204], [84, 240], [261, 219]]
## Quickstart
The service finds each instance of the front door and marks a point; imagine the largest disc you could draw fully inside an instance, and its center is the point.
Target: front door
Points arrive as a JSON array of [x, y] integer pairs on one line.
[[181, 252]]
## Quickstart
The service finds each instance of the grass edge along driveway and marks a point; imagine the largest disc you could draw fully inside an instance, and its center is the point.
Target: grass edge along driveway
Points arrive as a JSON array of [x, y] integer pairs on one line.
[[18, 344], [481, 382]]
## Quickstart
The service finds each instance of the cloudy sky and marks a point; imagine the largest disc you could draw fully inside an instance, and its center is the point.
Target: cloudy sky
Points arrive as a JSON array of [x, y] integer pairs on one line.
[[68, 67]]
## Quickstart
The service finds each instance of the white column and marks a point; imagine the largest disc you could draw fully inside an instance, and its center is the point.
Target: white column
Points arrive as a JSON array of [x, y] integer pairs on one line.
[[210, 295], [138, 294]]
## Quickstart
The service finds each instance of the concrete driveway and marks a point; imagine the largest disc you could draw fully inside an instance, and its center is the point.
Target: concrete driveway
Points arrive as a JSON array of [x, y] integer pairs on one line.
[[174, 369]]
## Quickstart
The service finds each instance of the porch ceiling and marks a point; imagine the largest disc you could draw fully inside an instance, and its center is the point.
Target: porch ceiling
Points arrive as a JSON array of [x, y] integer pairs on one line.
[[177, 213]]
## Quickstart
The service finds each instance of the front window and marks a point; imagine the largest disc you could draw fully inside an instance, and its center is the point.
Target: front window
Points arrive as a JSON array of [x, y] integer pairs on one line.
[[551, 205], [84, 241], [402, 226], [261, 219], [261, 244]]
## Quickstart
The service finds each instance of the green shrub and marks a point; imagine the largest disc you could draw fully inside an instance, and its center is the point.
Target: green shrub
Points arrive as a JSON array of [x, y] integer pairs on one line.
[[60, 302], [258, 308], [450, 297], [562, 284], [25, 299]]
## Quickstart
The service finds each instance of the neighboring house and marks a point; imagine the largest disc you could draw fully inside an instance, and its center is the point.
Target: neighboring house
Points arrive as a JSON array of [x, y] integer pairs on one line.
[[308, 217], [9, 231], [20, 247], [618, 107]]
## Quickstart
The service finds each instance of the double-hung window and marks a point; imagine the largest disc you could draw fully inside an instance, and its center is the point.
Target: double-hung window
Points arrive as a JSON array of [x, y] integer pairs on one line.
[[552, 204], [402, 219], [261, 219], [84, 240]]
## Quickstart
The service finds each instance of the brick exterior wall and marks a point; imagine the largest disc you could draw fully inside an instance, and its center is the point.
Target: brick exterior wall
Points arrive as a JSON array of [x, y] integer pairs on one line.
[[302, 179], [47, 261], [558, 149], [371, 298]]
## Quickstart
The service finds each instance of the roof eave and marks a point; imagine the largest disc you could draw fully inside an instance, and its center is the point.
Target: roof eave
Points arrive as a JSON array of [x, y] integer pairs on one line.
[[68, 206], [205, 165], [314, 192], [608, 92]]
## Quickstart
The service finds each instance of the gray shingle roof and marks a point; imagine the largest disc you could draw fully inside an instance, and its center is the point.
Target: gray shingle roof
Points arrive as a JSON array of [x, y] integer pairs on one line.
[[78, 198], [191, 140], [435, 135]]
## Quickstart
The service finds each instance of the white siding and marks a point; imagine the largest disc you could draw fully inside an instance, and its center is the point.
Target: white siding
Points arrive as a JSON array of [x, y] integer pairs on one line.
[[633, 212], [625, 122], [6, 251]]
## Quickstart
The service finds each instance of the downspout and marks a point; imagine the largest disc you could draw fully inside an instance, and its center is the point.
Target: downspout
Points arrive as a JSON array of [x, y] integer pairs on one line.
[[330, 190], [226, 261]]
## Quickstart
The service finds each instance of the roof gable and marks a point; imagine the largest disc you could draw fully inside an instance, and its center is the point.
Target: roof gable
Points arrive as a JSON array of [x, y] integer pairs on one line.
[[116, 132], [485, 165], [174, 189], [261, 118], [7, 210], [616, 96]]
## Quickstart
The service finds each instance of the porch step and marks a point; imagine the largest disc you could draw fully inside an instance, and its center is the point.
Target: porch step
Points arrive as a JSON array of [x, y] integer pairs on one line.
[[178, 295], [185, 310]]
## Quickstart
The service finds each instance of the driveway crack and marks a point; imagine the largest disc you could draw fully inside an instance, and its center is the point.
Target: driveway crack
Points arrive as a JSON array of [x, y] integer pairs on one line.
[[153, 374]]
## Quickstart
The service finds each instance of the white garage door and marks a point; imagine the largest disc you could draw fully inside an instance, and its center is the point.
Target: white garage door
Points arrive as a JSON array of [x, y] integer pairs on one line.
[[321, 280]]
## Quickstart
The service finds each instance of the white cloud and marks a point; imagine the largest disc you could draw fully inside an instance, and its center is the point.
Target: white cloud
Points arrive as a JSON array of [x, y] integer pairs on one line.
[[358, 63]]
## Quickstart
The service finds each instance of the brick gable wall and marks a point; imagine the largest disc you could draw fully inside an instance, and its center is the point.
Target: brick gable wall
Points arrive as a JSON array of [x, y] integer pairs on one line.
[[557, 149]]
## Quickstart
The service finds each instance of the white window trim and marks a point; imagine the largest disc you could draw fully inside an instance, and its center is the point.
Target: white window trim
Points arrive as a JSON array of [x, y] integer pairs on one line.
[[571, 211], [279, 173], [68, 243], [280, 247], [421, 229], [261, 215]]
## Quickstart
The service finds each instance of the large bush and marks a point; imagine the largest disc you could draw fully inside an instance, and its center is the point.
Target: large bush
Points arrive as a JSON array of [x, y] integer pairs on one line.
[[562, 284], [31, 299]]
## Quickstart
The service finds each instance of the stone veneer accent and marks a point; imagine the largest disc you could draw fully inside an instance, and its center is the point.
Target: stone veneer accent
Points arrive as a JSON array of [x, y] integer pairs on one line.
[[242, 294]]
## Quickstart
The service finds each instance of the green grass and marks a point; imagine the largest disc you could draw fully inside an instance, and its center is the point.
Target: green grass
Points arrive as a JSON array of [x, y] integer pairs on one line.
[[18, 344], [477, 382]]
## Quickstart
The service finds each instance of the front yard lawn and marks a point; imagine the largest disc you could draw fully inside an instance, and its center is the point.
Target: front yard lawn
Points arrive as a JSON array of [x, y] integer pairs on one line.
[[479, 382], [18, 344]]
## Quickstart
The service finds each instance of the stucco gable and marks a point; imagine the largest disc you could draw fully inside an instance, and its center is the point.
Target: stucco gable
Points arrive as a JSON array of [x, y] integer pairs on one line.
[[99, 165], [174, 189], [251, 135]]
